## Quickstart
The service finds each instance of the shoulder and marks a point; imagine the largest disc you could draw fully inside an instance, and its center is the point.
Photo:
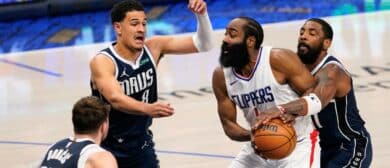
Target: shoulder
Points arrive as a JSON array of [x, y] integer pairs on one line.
[[218, 81], [155, 42], [101, 61], [218, 73], [284, 59], [333, 70], [101, 159], [281, 55]]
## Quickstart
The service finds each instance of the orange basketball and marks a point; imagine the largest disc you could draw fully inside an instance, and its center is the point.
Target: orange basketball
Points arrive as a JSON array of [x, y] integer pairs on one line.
[[275, 139]]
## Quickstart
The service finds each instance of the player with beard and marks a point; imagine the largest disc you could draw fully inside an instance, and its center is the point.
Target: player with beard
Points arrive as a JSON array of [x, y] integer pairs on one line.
[[344, 140], [257, 79]]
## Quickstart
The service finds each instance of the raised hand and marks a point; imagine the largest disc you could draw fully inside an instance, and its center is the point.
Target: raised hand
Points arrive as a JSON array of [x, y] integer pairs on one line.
[[197, 6]]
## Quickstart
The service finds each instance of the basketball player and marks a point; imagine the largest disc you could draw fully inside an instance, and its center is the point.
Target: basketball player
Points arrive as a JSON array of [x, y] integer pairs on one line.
[[255, 78], [90, 125], [344, 140], [124, 75]]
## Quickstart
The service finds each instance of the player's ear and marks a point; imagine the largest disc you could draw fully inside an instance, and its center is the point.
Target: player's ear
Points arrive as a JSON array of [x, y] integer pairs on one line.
[[104, 127], [117, 28], [327, 43], [251, 41]]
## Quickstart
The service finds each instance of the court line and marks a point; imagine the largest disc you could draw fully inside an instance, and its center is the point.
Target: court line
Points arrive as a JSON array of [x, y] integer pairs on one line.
[[158, 151], [196, 154], [31, 68]]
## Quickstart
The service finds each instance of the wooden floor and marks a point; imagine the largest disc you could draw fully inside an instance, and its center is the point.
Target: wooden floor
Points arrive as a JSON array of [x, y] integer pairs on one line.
[[38, 89]]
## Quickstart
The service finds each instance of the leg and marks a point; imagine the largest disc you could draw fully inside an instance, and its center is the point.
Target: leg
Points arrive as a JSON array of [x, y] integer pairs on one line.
[[302, 154], [247, 158], [356, 154]]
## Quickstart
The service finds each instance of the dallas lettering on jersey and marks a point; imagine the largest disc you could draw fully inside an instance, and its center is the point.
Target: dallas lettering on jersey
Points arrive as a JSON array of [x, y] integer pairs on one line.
[[137, 83], [260, 96], [59, 154]]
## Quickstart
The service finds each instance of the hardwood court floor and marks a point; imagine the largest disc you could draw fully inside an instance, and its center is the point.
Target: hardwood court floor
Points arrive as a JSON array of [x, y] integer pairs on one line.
[[38, 89]]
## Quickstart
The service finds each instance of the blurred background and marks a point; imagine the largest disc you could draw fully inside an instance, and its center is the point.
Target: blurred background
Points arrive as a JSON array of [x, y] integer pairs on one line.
[[38, 24]]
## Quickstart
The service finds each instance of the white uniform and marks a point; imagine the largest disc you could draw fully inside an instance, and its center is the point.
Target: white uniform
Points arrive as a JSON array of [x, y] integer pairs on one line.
[[259, 92]]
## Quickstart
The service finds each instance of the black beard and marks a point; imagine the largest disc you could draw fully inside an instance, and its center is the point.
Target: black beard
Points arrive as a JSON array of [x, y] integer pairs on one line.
[[312, 53], [235, 55]]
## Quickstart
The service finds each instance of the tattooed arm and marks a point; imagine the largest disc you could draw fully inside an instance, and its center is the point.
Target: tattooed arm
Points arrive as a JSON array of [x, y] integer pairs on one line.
[[332, 81]]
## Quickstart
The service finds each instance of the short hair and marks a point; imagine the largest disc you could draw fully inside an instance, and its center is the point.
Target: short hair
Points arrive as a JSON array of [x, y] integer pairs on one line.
[[253, 28], [88, 114], [118, 12], [326, 28]]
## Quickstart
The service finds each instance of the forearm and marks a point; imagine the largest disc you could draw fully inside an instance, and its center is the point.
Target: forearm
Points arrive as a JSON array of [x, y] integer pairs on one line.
[[128, 105], [306, 105], [237, 133], [202, 38]]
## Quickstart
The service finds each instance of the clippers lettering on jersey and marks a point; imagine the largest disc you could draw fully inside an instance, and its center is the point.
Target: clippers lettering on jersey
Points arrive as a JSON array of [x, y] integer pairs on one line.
[[137, 83], [260, 96], [59, 154]]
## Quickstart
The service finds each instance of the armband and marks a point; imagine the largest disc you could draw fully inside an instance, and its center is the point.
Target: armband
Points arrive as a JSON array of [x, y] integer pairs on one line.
[[314, 104]]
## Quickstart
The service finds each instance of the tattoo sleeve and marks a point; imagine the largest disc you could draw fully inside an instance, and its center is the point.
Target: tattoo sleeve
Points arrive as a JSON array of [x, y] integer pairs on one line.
[[296, 107]]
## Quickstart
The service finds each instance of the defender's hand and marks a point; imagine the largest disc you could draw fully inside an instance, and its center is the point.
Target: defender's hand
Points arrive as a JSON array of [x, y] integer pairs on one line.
[[197, 6], [288, 118]]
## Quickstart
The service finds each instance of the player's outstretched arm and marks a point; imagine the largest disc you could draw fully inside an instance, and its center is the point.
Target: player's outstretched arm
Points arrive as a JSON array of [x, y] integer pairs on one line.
[[103, 159], [227, 109], [201, 41], [103, 78]]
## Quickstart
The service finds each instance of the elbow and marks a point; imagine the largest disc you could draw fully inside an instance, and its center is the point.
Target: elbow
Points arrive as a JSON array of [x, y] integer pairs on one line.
[[228, 134], [114, 101], [203, 44], [232, 135]]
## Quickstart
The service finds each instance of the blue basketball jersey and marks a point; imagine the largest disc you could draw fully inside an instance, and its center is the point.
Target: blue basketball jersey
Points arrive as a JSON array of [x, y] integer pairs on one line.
[[138, 80], [64, 154], [339, 121]]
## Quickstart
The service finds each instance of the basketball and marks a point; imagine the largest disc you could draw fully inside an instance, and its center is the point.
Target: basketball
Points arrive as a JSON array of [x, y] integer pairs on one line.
[[275, 139]]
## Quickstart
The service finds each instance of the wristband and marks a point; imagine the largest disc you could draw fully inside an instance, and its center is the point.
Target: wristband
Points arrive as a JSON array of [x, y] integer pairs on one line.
[[313, 104]]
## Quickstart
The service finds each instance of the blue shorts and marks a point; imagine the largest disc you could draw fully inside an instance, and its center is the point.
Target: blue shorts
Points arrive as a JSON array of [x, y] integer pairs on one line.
[[357, 153], [144, 157], [134, 152]]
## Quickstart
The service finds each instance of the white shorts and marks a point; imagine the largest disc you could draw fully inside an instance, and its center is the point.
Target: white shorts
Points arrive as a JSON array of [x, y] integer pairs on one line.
[[300, 157]]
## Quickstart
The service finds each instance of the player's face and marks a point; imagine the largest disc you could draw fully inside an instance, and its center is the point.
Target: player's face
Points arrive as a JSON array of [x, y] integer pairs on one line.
[[234, 51], [132, 29], [310, 42]]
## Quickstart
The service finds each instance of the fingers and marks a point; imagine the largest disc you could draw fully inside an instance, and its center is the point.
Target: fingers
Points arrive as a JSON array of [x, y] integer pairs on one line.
[[162, 110], [287, 118], [197, 6], [165, 110]]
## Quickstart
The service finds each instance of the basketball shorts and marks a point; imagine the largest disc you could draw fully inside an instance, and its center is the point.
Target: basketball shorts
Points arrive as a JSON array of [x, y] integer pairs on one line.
[[142, 158], [356, 153], [305, 155], [134, 153]]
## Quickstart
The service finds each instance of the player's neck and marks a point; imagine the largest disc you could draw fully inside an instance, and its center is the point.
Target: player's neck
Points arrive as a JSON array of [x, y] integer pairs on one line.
[[247, 70], [127, 53], [93, 137]]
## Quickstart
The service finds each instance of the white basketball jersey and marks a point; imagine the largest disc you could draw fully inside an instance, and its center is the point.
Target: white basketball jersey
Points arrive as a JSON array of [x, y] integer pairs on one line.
[[261, 91]]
